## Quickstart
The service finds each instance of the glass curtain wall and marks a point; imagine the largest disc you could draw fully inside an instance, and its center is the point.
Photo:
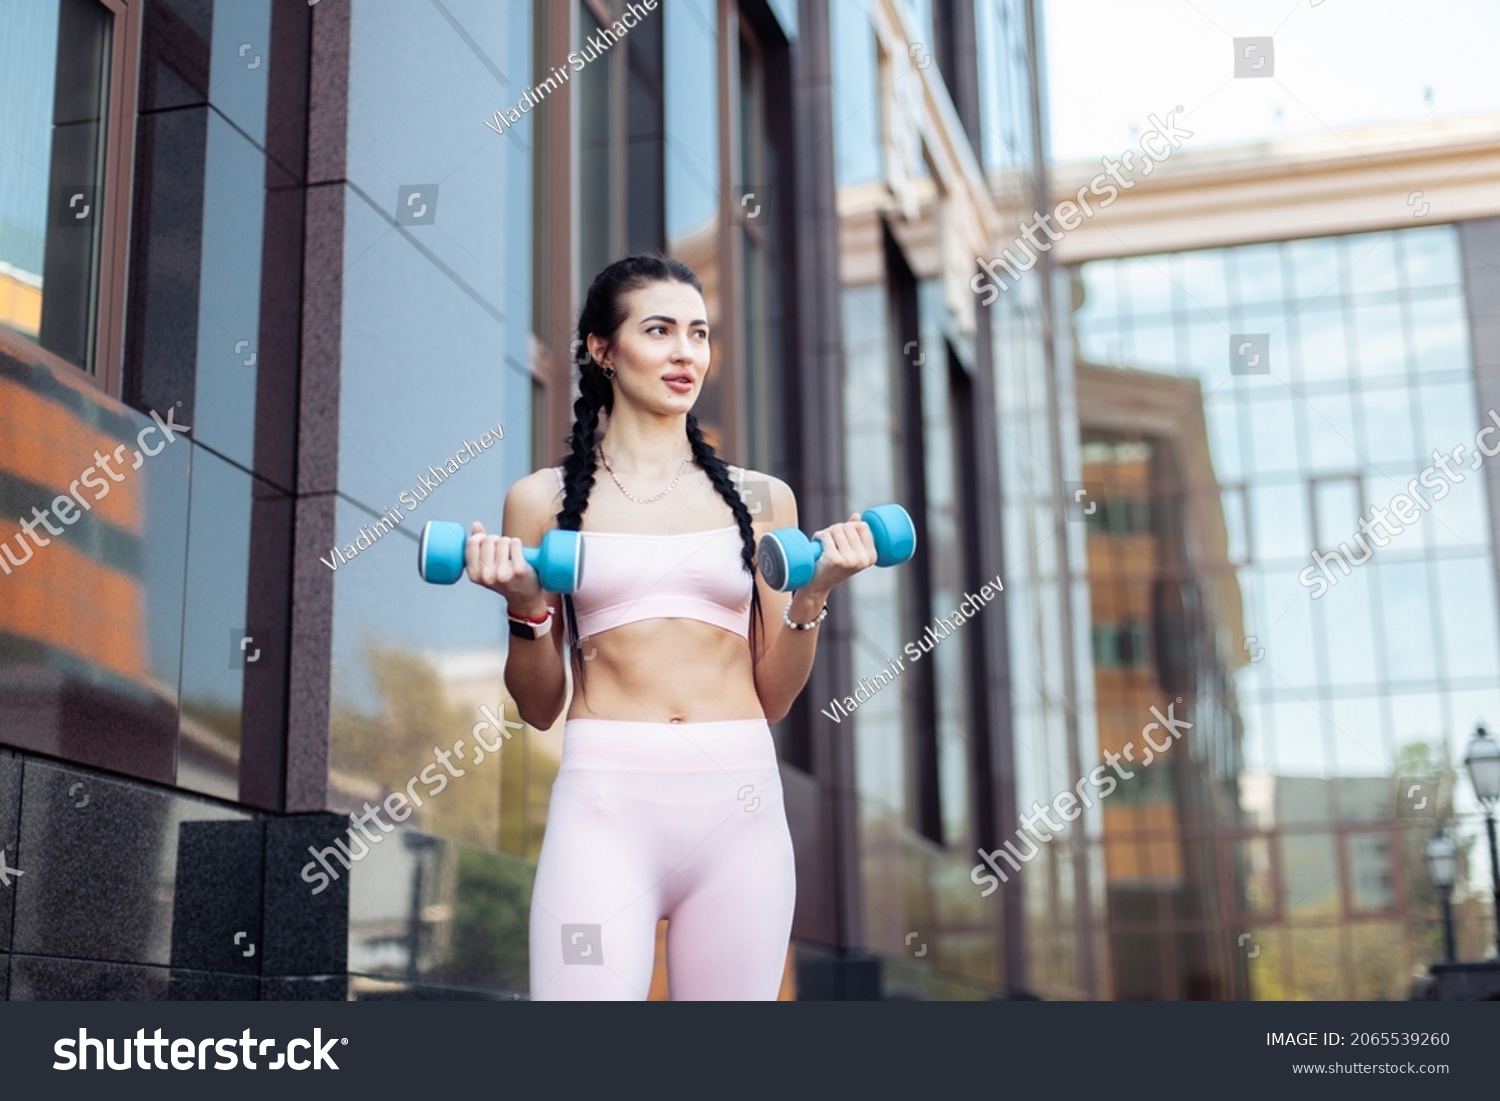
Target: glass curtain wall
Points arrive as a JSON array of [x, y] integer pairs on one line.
[[1369, 651]]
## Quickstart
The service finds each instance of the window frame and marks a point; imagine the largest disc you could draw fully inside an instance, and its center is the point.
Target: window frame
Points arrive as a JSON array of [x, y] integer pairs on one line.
[[114, 231]]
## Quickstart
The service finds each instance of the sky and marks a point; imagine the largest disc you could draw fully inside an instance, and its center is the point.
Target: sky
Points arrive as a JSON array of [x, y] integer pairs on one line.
[[1336, 64]]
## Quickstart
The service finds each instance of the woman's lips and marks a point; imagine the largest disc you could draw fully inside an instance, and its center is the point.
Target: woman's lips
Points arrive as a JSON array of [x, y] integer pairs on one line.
[[680, 383]]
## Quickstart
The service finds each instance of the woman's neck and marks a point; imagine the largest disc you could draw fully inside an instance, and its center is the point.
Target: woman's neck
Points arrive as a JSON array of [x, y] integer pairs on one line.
[[637, 445]]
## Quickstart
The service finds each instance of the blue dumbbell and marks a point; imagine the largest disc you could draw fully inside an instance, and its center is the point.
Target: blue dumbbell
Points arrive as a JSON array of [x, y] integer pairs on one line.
[[558, 561], [787, 557]]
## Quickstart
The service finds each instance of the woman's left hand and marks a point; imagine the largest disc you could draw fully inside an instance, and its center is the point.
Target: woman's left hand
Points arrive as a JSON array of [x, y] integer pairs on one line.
[[848, 548]]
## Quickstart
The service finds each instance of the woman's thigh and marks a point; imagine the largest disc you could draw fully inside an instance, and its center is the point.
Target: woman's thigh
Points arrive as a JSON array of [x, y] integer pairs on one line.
[[728, 932], [596, 898]]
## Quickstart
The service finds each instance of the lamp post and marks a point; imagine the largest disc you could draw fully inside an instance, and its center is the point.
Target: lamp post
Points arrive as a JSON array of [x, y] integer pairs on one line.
[[1483, 763], [1442, 866]]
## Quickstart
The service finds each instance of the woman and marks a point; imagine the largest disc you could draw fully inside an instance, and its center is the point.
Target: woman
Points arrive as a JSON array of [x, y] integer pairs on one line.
[[668, 802]]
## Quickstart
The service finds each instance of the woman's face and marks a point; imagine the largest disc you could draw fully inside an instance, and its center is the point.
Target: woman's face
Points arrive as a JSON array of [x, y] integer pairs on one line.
[[660, 355]]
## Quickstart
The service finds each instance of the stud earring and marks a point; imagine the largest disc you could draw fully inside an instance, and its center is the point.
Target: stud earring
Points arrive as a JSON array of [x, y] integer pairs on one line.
[[609, 372]]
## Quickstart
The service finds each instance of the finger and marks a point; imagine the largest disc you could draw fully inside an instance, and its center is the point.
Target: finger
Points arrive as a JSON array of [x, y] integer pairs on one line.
[[517, 558], [839, 533], [823, 537], [473, 548], [858, 552], [487, 554], [867, 540]]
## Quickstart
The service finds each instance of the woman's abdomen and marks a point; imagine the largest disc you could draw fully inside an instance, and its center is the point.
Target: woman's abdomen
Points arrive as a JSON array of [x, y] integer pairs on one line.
[[665, 670]]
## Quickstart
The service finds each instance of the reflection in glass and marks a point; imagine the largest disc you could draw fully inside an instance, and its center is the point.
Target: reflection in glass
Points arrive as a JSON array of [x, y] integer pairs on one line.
[[1430, 257], [1331, 443], [597, 173], [1253, 862], [1310, 865], [1370, 886], [1380, 340], [1372, 263], [1468, 639], [1340, 696], [1317, 271], [1321, 351], [213, 674], [1257, 272], [692, 178], [54, 84], [1440, 335], [91, 593]]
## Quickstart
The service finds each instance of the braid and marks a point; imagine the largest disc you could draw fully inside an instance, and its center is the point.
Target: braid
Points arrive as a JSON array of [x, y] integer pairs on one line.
[[718, 473], [595, 394]]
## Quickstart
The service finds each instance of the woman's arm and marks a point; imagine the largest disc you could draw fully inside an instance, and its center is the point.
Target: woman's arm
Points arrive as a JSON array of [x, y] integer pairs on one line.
[[534, 668], [786, 656]]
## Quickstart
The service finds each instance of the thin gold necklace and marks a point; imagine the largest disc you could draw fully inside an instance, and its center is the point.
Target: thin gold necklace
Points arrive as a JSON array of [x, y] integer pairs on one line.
[[609, 467]]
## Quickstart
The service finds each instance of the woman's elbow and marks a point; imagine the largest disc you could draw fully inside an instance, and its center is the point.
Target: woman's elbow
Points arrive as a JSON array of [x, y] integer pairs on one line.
[[539, 714]]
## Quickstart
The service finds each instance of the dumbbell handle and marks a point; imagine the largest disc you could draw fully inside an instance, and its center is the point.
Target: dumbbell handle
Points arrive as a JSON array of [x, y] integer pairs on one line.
[[558, 561], [787, 557]]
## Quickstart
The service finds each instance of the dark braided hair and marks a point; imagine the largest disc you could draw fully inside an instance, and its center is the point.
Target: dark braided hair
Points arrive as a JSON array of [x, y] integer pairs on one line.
[[604, 311]]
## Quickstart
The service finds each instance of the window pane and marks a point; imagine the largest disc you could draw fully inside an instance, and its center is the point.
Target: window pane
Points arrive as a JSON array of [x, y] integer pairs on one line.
[[1337, 508], [1253, 857], [597, 229], [1406, 609], [1312, 878], [1448, 419], [1316, 270], [1372, 263], [54, 79], [1440, 335], [1153, 347], [1431, 257], [1258, 273], [1273, 432], [1331, 446], [1378, 337], [1146, 285], [1370, 872], [1279, 522], [1319, 351], [1205, 296], [1387, 428], [1466, 585]]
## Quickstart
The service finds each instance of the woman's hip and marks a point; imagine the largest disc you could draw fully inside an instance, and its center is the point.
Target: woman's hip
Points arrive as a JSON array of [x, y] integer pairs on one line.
[[614, 745]]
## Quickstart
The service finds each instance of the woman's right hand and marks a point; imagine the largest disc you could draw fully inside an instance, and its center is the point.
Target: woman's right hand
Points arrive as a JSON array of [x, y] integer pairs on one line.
[[496, 562]]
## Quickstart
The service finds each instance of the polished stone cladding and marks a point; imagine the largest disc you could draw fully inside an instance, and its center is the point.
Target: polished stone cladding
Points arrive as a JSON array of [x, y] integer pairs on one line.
[[119, 890]]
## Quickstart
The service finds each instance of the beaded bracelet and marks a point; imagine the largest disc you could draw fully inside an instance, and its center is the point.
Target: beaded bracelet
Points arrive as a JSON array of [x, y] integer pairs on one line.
[[786, 617]]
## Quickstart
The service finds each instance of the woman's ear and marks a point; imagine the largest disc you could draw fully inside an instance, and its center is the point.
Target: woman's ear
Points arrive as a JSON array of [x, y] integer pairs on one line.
[[598, 348]]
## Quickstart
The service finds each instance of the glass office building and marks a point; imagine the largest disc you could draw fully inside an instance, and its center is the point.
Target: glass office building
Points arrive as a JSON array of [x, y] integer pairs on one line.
[[1351, 662], [279, 283]]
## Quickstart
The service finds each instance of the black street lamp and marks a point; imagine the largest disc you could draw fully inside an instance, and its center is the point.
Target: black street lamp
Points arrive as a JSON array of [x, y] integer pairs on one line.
[[1442, 866], [1483, 763]]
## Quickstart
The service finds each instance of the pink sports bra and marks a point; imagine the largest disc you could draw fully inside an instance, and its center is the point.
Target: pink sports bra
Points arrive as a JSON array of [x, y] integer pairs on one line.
[[695, 575]]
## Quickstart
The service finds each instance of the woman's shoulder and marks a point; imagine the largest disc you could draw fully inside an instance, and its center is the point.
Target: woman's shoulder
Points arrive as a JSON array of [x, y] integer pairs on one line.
[[537, 494], [768, 497]]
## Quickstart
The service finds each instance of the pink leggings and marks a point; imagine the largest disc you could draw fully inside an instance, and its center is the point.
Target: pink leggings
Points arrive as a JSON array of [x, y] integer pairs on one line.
[[682, 821]]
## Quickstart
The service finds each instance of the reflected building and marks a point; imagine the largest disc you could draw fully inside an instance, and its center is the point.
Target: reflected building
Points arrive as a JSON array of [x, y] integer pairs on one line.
[[1349, 684], [1161, 603]]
